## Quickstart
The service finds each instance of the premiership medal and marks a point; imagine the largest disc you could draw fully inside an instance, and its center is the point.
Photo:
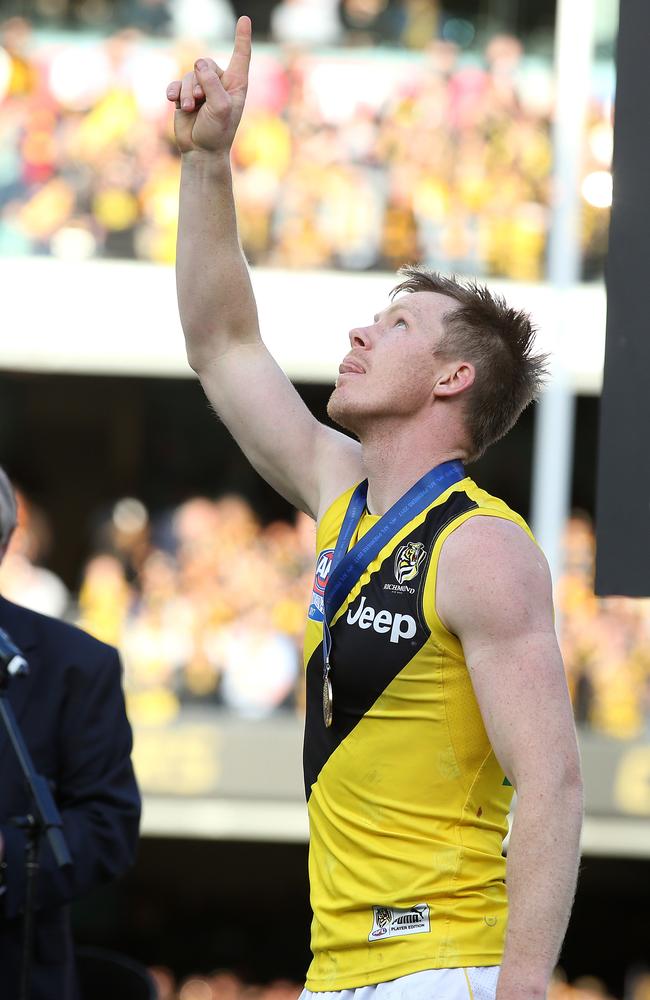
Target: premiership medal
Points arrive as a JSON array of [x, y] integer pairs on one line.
[[328, 700], [348, 564]]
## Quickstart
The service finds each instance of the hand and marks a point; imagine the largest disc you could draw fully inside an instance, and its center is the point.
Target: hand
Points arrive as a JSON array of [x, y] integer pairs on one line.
[[210, 101]]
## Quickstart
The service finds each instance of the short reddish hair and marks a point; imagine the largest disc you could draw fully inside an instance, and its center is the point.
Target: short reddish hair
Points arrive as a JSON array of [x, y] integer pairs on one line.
[[497, 340]]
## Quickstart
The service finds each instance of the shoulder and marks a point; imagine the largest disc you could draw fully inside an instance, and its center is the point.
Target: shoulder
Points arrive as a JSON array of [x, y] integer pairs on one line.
[[492, 570], [57, 639], [485, 529], [488, 537]]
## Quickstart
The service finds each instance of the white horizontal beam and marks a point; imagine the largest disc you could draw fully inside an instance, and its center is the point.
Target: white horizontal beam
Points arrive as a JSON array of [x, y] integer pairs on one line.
[[286, 822], [224, 819], [121, 318], [616, 837]]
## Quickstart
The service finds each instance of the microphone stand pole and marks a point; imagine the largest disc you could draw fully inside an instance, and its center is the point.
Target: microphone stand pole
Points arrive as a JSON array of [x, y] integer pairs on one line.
[[44, 819]]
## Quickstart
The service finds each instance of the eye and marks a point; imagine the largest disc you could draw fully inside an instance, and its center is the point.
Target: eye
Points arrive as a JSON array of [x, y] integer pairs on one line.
[[401, 322]]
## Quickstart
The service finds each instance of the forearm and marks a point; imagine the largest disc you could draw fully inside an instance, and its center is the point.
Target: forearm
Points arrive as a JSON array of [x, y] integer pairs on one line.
[[216, 302], [543, 859]]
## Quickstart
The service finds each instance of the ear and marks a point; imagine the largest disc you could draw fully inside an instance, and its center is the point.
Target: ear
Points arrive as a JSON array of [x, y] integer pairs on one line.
[[455, 378]]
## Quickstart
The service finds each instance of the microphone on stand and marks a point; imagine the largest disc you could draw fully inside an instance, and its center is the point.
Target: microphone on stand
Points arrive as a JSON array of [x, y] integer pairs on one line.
[[11, 657], [44, 818]]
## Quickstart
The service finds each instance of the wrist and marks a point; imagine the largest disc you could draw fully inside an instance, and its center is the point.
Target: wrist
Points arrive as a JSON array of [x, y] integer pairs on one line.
[[207, 163], [521, 988], [521, 992]]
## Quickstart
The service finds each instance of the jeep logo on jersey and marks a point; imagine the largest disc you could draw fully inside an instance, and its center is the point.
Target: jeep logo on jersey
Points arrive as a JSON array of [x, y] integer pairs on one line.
[[399, 626], [323, 567], [408, 560]]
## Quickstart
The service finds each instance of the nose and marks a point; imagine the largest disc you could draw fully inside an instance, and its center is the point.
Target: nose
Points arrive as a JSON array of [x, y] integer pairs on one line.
[[359, 336]]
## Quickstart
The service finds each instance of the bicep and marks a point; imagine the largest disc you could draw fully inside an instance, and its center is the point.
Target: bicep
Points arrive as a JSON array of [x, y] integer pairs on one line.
[[497, 597], [305, 461], [522, 694]]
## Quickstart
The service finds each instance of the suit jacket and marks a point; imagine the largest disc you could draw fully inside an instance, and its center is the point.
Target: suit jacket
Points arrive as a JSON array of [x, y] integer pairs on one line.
[[71, 712]]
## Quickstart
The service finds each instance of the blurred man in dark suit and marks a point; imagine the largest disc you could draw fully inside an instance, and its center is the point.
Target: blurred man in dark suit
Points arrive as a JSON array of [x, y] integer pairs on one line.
[[70, 709]]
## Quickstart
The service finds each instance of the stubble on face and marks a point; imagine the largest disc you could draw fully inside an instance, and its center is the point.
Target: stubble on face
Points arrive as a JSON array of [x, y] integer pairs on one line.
[[343, 415], [399, 379]]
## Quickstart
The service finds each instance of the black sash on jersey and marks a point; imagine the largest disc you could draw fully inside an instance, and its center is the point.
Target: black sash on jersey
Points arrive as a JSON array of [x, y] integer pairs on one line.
[[348, 567]]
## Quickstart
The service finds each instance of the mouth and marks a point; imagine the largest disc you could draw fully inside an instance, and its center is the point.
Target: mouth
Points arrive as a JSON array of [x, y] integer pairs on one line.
[[350, 367]]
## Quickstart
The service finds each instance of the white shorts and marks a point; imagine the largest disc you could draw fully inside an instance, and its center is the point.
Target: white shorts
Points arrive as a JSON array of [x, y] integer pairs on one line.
[[479, 983]]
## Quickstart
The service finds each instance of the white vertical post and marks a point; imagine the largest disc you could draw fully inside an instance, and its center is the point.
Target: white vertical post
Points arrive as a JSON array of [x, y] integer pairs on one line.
[[554, 426]]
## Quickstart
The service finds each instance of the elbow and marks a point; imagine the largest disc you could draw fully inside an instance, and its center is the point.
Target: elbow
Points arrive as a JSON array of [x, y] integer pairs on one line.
[[194, 346], [574, 788], [570, 777], [199, 353], [569, 802], [569, 795], [561, 785]]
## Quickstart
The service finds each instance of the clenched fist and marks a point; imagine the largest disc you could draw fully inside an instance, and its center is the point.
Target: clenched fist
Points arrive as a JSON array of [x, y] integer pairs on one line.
[[210, 101]]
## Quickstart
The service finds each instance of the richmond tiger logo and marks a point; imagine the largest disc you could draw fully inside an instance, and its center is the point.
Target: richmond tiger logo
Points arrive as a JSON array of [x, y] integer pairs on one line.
[[408, 560]]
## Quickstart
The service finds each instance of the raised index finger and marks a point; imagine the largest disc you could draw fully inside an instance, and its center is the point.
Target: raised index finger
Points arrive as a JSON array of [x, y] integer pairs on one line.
[[241, 54]]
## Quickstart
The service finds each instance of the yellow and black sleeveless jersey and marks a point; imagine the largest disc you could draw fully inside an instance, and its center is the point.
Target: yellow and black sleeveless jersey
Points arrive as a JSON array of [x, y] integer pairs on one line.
[[407, 802]]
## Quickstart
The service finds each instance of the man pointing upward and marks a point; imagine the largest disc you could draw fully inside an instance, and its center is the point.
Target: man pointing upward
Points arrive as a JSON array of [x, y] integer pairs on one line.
[[434, 681]]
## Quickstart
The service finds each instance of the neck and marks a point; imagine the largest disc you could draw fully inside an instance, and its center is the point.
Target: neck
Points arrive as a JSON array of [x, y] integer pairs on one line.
[[395, 461]]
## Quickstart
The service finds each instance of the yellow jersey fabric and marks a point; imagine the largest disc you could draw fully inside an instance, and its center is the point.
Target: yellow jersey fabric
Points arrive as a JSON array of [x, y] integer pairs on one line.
[[407, 803]]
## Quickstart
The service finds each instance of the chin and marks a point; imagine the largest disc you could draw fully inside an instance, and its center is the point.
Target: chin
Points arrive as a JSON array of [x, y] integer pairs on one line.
[[342, 413]]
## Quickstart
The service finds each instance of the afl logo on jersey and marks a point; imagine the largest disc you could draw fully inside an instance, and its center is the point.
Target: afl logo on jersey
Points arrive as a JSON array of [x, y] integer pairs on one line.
[[408, 559], [323, 566]]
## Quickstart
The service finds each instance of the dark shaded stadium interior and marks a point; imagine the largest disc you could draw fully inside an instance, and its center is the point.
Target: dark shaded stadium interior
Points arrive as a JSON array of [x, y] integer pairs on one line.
[[197, 906]]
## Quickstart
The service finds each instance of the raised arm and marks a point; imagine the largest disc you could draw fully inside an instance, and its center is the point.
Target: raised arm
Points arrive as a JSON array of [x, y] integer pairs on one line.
[[305, 461], [494, 593]]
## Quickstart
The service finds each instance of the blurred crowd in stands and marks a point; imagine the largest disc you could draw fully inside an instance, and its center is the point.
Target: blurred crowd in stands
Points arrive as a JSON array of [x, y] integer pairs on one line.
[[324, 22], [605, 643], [206, 604], [352, 157], [227, 986]]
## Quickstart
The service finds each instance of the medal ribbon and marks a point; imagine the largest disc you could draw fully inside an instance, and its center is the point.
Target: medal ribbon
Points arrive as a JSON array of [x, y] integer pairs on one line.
[[347, 567]]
